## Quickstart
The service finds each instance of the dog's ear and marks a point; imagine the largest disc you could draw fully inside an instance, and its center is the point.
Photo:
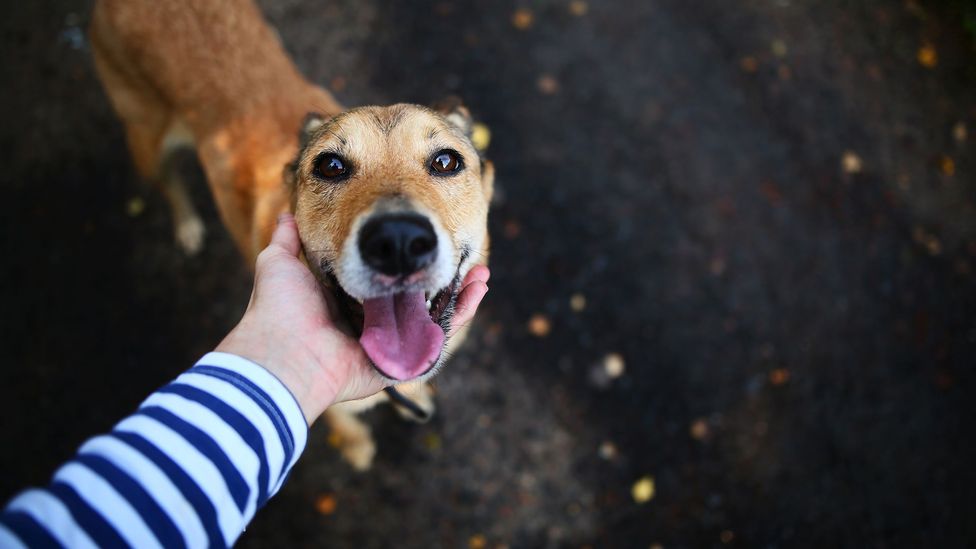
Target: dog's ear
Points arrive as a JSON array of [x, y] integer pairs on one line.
[[456, 113], [488, 179], [310, 124], [460, 117]]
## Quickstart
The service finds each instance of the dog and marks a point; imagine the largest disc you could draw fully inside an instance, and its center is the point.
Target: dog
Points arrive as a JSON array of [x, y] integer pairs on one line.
[[391, 202]]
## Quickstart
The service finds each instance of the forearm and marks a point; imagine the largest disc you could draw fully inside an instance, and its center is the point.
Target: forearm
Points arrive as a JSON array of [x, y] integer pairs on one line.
[[189, 468]]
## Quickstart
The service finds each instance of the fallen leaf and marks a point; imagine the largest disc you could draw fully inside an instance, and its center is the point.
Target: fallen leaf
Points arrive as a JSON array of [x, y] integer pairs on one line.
[[959, 132], [926, 239], [432, 441], [547, 84], [135, 206], [699, 429], [607, 450], [577, 302], [477, 541], [947, 165], [779, 376], [326, 504], [613, 365], [927, 56], [578, 8], [480, 136], [749, 64], [522, 18], [511, 229], [643, 490], [539, 325], [851, 162], [779, 48]]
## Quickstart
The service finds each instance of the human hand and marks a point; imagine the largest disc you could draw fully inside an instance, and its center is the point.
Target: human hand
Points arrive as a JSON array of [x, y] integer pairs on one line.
[[293, 328]]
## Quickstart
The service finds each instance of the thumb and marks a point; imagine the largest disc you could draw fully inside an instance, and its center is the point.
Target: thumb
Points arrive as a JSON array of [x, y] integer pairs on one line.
[[286, 234]]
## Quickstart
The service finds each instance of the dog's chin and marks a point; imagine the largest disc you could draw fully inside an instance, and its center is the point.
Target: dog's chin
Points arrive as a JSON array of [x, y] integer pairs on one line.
[[417, 351]]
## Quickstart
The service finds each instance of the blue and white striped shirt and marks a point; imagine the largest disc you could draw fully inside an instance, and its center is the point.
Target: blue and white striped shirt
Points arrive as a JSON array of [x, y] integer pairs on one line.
[[189, 469]]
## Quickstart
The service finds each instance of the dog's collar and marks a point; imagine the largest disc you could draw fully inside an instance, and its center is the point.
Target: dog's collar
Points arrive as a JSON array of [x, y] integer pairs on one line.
[[411, 406]]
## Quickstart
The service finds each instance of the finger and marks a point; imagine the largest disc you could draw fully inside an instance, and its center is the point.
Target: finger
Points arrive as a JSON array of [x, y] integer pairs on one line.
[[286, 235], [478, 273], [467, 304]]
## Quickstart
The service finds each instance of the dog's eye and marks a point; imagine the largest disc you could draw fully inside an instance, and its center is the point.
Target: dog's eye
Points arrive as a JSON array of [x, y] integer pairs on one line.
[[330, 166], [445, 162]]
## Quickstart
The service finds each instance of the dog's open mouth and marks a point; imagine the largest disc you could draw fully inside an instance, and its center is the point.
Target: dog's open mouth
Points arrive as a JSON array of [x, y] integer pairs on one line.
[[404, 333], [401, 332]]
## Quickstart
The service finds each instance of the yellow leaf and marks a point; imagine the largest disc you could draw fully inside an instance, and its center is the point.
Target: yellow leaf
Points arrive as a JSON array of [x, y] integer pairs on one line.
[[135, 207], [927, 56], [480, 136], [613, 364], [643, 489]]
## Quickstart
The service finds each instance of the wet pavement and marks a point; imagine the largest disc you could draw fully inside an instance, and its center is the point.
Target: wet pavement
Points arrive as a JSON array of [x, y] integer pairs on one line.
[[733, 255]]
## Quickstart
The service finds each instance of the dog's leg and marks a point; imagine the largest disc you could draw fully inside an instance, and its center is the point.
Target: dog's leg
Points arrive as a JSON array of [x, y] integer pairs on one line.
[[153, 136], [352, 436], [188, 227]]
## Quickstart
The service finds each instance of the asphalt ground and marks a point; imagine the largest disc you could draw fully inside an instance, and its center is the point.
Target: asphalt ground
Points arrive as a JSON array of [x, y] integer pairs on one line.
[[733, 255]]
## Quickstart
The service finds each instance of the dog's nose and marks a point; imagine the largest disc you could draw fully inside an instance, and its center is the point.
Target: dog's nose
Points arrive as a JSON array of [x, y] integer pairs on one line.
[[398, 245]]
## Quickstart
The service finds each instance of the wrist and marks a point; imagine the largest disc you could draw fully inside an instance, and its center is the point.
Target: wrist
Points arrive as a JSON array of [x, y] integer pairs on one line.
[[299, 371]]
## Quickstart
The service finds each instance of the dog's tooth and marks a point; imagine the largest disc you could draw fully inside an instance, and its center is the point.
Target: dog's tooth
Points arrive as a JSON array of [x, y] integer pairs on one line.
[[428, 304]]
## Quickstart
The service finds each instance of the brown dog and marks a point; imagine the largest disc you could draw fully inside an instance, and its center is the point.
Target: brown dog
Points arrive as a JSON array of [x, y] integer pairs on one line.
[[391, 202]]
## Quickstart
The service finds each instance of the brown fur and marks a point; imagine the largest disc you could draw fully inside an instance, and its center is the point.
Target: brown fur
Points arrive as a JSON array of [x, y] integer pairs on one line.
[[213, 75]]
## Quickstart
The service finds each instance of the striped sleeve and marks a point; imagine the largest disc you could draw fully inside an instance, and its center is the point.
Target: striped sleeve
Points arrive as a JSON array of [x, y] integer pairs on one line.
[[189, 469]]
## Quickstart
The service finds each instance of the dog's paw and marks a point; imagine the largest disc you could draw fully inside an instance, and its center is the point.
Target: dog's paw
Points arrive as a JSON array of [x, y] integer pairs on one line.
[[359, 453], [190, 233]]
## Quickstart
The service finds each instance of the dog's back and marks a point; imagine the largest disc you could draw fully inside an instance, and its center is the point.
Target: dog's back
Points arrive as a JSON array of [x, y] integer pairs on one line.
[[211, 75]]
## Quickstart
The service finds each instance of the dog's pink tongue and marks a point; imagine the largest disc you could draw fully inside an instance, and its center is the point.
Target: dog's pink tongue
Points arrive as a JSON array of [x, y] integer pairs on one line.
[[399, 336]]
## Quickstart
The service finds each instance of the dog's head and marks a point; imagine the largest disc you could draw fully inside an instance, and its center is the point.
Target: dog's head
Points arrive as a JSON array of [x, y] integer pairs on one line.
[[392, 206]]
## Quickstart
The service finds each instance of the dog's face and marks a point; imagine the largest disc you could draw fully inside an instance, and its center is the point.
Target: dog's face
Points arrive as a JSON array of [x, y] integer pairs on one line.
[[392, 206]]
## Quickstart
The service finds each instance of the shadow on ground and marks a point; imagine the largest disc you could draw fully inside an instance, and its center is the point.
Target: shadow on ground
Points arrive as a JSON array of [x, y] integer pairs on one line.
[[765, 209]]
